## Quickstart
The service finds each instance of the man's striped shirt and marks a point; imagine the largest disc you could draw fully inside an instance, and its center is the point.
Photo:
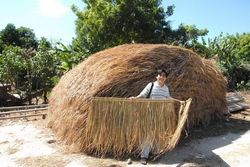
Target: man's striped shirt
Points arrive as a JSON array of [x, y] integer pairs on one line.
[[157, 92]]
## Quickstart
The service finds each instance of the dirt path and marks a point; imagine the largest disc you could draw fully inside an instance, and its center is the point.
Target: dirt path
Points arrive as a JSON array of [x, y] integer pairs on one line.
[[30, 144]]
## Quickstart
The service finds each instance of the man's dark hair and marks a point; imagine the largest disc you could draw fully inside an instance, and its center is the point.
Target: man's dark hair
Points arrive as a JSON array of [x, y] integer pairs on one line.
[[159, 71]]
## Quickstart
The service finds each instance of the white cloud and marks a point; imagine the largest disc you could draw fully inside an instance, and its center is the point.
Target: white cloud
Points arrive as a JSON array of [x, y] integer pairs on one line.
[[52, 8]]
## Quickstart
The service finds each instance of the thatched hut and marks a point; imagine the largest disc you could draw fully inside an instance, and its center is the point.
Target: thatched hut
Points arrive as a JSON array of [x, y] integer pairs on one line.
[[123, 71]]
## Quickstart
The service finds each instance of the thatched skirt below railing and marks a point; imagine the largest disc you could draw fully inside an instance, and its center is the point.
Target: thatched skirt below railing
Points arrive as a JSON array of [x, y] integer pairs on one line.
[[119, 126]]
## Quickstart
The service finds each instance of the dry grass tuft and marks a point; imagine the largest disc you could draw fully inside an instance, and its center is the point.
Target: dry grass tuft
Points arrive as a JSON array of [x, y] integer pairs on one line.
[[119, 126]]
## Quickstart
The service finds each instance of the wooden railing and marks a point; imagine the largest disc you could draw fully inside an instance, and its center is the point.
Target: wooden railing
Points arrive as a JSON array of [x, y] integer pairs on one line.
[[23, 111]]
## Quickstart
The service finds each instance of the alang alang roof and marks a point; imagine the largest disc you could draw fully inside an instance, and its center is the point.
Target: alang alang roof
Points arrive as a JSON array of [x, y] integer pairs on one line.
[[123, 71]]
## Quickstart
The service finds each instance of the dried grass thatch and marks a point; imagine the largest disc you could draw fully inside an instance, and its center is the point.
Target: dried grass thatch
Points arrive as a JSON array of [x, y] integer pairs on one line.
[[120, 126], [124, 71]]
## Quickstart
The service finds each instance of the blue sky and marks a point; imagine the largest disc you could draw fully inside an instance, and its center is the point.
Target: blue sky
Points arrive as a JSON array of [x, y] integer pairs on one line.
[[54, 19], [226, 16]]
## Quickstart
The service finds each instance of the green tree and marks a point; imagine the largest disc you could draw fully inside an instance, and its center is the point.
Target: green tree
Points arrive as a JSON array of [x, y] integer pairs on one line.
[[2, 45], [32, 73], [27, 38], [45, 64], [26, 87], [104, 23], [22, 37], [70, 55], [188, 36], [232, 54], [12, 66], [10, 35], [244, 46]]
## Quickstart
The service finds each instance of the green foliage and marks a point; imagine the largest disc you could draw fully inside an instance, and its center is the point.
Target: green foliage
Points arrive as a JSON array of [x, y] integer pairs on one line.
[[22, 37], [9, 35], [69, 56], [27, 38], [233, 56], [41, 70], [187, 36], [104, 23], [33, 66], [30, 72], [2, 45], [244, 46], [45, 73], [12, 66]]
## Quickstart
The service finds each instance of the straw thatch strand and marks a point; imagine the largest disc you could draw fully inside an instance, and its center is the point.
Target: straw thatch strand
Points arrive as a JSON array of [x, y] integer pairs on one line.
[[123, 71], [120, 126], [117, 125]]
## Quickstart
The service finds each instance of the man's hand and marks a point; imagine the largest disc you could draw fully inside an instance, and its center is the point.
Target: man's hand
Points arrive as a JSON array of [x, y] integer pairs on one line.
[[182, 102], [179, 101]]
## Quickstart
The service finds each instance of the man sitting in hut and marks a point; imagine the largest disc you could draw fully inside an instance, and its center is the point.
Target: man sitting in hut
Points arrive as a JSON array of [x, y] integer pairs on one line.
[[154, 90]]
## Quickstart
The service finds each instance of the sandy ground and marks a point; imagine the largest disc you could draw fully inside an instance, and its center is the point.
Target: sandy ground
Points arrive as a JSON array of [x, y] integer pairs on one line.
[[30, 144]]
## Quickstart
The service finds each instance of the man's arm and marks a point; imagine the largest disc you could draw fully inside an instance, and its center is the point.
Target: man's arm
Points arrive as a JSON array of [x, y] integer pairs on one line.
[[178, 101]]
